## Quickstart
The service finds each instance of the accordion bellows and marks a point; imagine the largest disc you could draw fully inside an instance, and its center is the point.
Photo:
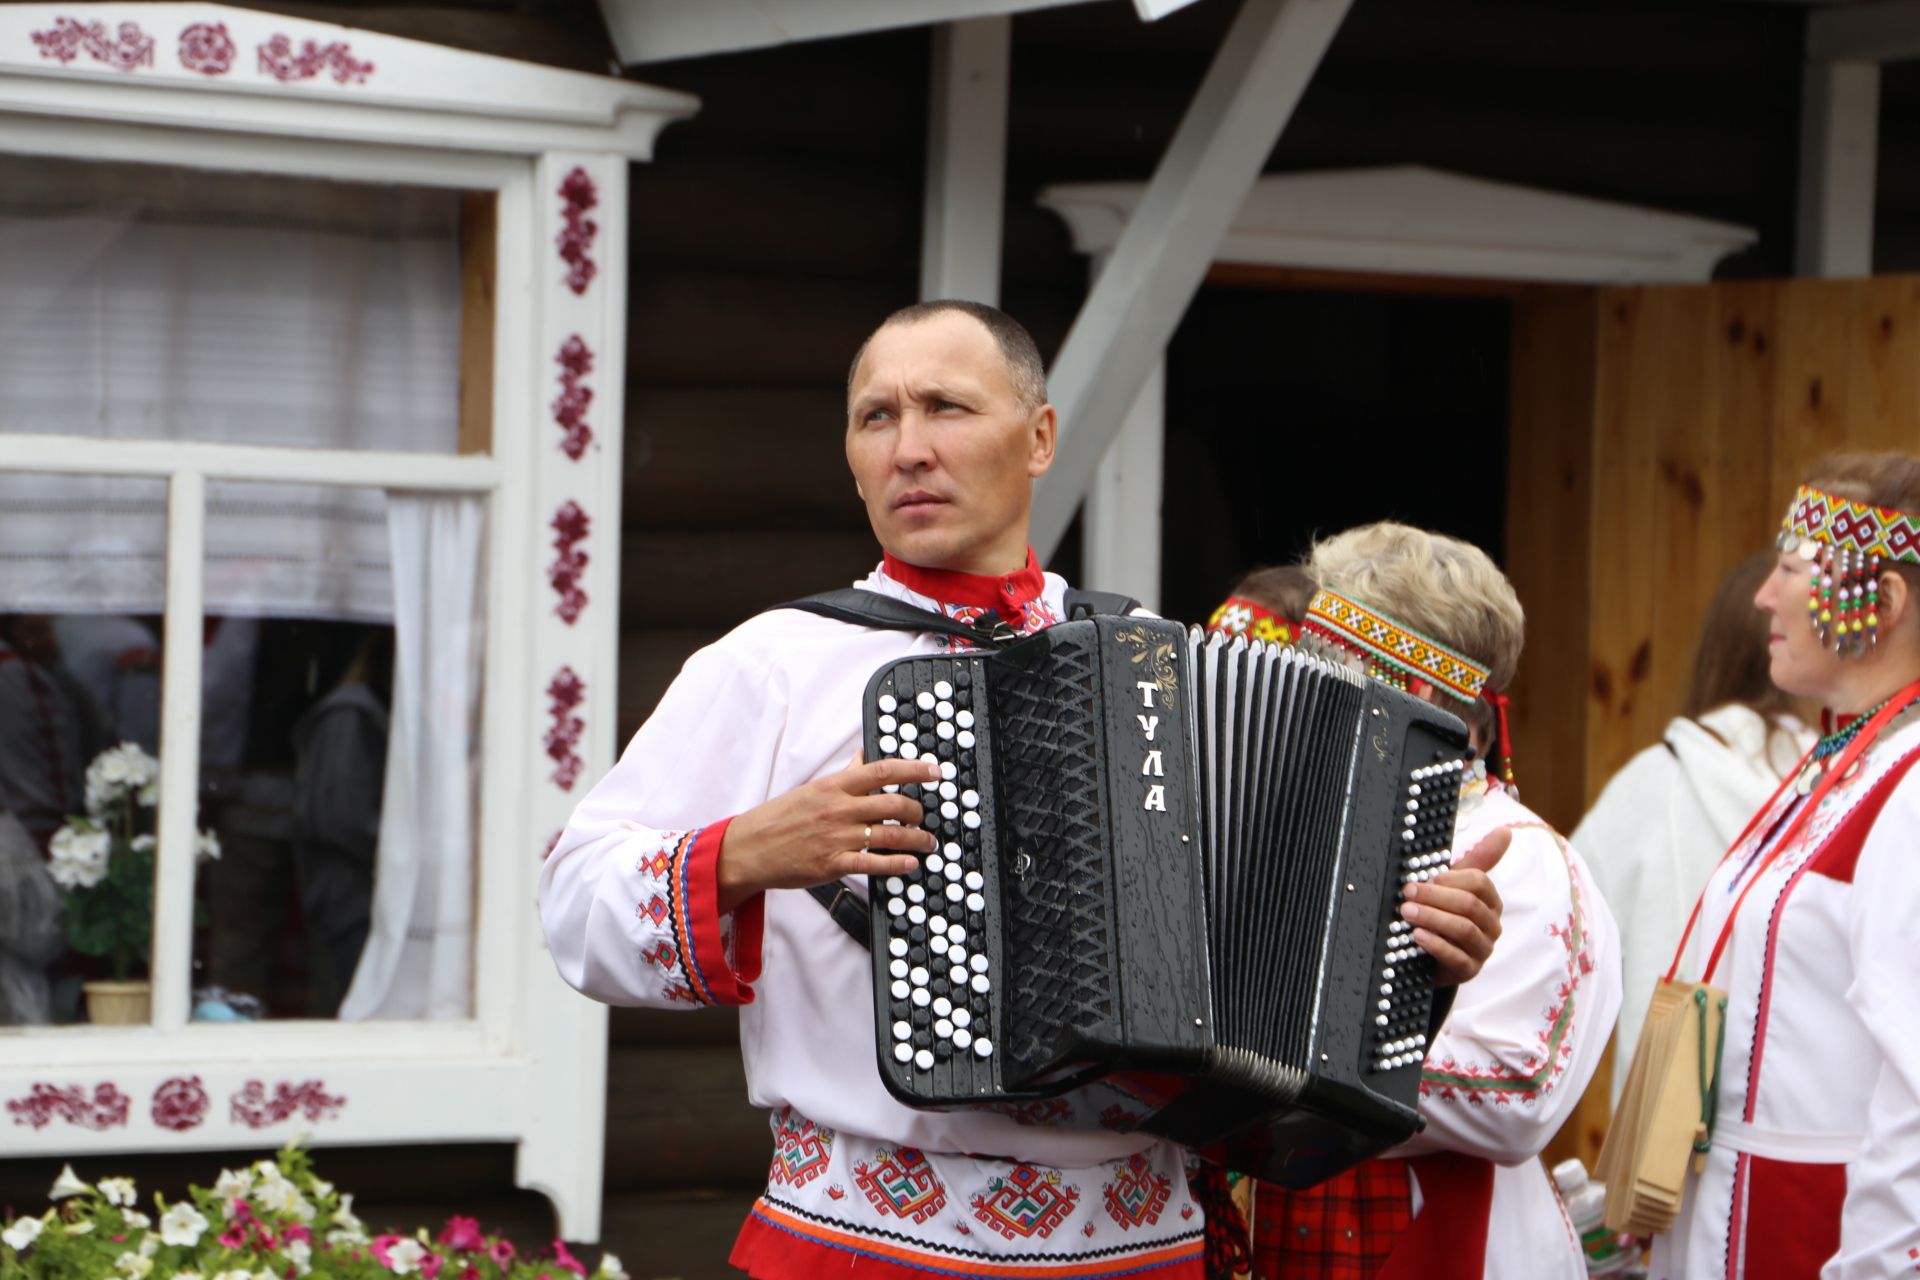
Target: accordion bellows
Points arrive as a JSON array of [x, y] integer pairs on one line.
[[1174, 860]]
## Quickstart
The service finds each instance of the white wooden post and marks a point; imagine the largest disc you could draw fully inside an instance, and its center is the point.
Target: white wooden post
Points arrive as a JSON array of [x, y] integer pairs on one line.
[[1249, 93], [966, 160], [1121, 526], [1839, 136]]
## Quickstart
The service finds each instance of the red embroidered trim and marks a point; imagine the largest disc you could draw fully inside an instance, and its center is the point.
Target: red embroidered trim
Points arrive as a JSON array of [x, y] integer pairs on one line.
[[570, 525], [578, 196], [279, 59], [252, 1106], [693, 890], [207, 48], [129, 47], [1451, 1080], [566, 691], [570, 410]]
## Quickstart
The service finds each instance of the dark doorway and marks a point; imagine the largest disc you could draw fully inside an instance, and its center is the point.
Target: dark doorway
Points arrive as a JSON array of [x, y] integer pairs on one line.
[[1295, 412]]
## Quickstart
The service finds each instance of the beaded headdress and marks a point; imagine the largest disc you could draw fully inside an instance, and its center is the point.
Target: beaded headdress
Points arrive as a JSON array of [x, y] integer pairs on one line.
[[1396, 654], [1845, 543], [1240, 616]]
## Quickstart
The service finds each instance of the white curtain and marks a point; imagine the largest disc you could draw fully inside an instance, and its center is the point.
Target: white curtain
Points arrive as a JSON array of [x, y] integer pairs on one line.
[[137, 325], [418, 961]]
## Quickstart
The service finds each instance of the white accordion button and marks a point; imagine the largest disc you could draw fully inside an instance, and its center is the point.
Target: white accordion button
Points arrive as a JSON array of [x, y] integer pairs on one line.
[[961, 1036], [944, 731], [898, 946], [888, 703], [920, 996], [958, 933], [943, 1028], [983, 1047], [972, 819], [903, 1030], [916, 914], [892, 788], [909, 752], [898, 968], [896, 907], [895, 884], [937, 945], [934, 863], [915, 893], [970, 798], [964, 719], [952, 850], [975, 880], [1379, 1019], [918, 977], [939, 925], [948, 791], [979, 964], [949, 810], [925, 701], [949, 770], [957, 974], [962, 1018], [980, 984], [953, 871], [955, 893], [900, 989], [942, 1007], [888, 724], [974, 901], [909, 731], [889, 744], [942, 689], [965, 738], [944, 709], [924, 1060], [903, 1053]]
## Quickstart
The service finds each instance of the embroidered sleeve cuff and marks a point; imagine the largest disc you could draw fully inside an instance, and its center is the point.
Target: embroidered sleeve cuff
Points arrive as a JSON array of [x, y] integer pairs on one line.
[[722, 955]]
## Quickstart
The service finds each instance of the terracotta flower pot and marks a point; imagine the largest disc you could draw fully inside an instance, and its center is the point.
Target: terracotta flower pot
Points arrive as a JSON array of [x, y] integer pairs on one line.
[[119, 1004]]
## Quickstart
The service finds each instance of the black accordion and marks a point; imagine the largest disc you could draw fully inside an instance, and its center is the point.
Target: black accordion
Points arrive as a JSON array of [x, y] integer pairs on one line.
[[1176, 860]]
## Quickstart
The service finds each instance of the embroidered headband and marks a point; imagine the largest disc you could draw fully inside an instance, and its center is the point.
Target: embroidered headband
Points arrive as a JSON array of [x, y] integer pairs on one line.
[[1240, 616], [1395, 653], [1846, 542]]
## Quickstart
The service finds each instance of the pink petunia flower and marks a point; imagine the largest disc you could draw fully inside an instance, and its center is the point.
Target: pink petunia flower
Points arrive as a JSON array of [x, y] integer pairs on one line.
[[297, 1231], [382, 1248], [430, 1266], [567, 1260], [463, 1235], [234, 1237], [502, 1253]]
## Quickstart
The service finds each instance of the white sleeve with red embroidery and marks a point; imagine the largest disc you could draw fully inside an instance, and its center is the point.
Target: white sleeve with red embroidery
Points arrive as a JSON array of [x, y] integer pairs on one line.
[[1527, 1033], [1880, 1223], [628, 895]]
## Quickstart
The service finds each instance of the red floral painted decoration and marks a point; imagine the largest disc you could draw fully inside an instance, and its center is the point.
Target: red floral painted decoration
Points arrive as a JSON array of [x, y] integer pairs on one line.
[[570, 410], [253, 1107], [207, 48], [106, 1109], [578, 195], [279, 59], [68, 38], [180, 1104], [570, 525], [566, 692]]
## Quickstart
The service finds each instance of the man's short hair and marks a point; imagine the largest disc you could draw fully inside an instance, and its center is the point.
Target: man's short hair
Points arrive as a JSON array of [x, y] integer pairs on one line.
[[1025, 370]]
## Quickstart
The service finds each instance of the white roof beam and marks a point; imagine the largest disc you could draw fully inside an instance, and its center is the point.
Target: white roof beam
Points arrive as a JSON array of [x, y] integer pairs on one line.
[[1839, 156], [1250, 91], [659, 30], [1888, 31], [966, 160]]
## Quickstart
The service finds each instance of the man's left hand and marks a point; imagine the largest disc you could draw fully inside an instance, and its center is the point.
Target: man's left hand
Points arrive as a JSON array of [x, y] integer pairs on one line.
[[1456, 915]]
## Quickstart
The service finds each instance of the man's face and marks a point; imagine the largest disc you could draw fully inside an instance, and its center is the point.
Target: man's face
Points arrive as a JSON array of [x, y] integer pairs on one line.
[[942, 452]]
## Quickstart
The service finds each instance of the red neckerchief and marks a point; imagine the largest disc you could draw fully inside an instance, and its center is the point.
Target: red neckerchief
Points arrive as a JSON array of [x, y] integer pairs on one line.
[[1008, 594]]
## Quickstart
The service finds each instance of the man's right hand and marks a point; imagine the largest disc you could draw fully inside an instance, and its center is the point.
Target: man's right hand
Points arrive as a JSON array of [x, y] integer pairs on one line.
[[832, 827]]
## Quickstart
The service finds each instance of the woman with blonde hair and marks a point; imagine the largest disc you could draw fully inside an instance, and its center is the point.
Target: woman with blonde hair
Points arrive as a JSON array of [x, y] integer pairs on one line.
[[1811, 922], [1653, 835], [1467, 1198]]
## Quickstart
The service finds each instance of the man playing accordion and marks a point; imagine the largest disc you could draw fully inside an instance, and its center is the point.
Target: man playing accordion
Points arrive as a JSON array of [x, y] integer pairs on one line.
[[679, 881]]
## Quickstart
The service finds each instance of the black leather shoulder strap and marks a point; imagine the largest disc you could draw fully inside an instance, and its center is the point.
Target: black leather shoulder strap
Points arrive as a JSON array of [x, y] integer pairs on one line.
[[847, 910], [865, 608], [1085, 604]]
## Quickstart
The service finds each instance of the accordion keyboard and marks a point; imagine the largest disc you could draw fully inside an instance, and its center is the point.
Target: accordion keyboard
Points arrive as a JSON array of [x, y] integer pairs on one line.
[[1431, 803], [938, 982]]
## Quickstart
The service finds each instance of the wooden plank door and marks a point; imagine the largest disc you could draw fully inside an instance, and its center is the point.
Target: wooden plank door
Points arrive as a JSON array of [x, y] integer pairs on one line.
[[1657, 434]]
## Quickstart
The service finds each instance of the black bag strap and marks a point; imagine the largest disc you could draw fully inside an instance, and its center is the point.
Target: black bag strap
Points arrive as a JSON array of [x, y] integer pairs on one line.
[[847, 908], [1085, 604]]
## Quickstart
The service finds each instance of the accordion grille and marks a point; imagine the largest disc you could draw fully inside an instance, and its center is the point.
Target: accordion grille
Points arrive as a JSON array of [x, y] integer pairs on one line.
[[1058, 930]]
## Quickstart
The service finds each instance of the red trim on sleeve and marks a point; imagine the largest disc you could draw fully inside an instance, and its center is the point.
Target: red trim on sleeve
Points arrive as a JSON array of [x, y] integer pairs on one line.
[[715, 978]]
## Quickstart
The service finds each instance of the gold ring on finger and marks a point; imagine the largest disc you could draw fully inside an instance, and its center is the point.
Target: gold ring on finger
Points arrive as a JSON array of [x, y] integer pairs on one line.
[[866, 839]]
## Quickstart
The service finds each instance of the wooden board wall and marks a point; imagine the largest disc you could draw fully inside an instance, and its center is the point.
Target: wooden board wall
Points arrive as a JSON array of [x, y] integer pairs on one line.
[[1657, 436]]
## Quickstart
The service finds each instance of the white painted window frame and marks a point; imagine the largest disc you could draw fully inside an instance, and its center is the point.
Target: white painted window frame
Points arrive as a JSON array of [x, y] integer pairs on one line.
[[528, 1067]]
